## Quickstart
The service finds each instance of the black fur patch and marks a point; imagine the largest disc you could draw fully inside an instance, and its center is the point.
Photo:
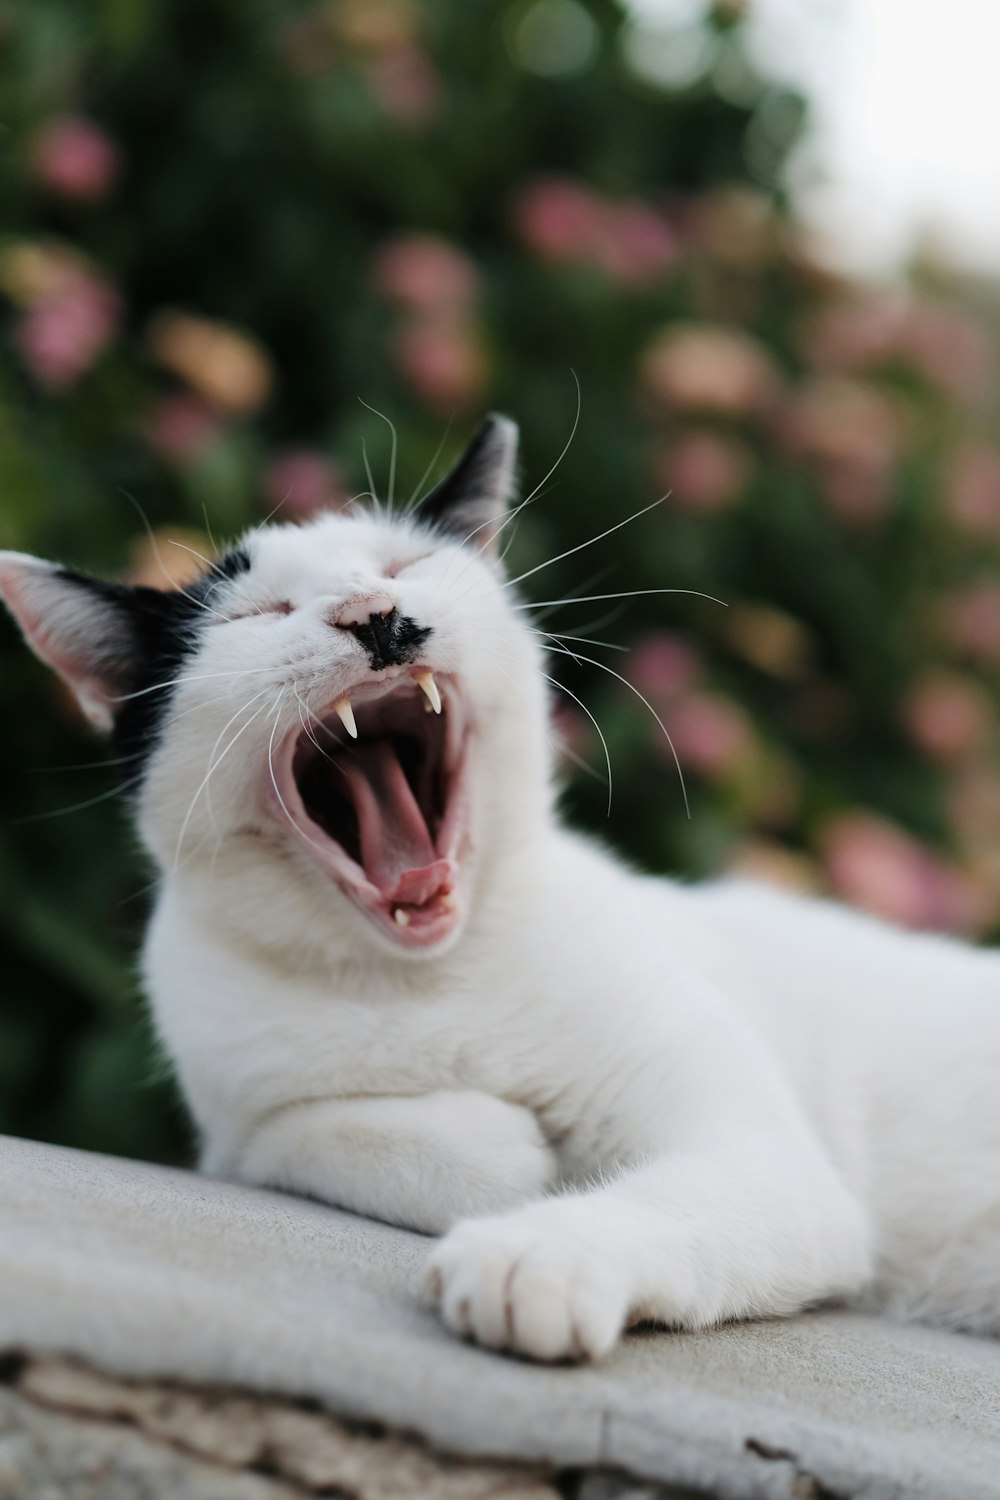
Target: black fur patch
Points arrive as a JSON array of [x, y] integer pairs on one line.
[[161, 628]]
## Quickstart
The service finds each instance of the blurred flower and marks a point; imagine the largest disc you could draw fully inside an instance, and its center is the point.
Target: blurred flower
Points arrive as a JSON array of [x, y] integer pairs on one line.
[[875, 865], [706, 367], [181, 427], [711, 734], [425, 273], [948, 349], [773, 864], [566, 222], [769, 639], [75, 158], [974, 810], [854, 332], [971, 489], [228, 369], [662, 666], [634, 244], [374, 25], [703, 471], [171, 558], [555, 217], [736, 226], [948, 716], [301, 482], [971, 620], [406, 85], [61, 335], [443, 360], [852, 430]]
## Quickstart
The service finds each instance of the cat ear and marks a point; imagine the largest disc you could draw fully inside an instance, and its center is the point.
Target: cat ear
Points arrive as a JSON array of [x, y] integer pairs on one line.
[[471, 501], [78, 625]]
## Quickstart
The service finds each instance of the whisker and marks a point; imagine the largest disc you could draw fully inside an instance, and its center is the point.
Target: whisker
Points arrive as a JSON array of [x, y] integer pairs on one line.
[[392, 458], [585, 640], [592, 661], [423, 478], [580, 703], [627, 594], [369, 476], [213, 765], [581, 545], [200, 603], [160, 687]]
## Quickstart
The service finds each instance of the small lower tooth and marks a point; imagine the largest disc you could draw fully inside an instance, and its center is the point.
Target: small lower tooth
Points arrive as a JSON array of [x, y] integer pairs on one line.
[[401, 917], [448, 901]]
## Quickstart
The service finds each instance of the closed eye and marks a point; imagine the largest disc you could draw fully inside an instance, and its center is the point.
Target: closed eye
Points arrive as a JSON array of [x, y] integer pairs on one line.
[[267, 607], [392, 569]]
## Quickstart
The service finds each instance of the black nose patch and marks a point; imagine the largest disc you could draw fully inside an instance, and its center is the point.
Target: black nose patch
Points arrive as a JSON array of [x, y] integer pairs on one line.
[[392, 639]]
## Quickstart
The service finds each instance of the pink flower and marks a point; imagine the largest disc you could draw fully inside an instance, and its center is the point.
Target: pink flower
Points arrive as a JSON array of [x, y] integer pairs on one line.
[[60, 336], [632, 243], [181, 427], [555, 216], [971, 620], [854, 333], [406, 85], [948, 350], [74, 158], [735, 225], [875, 865], [972, 489], [853, 432], [662, 667], [705, 367], [711, 734], [443, 360], [948, 716], [425, 273], [704, 471], [301, 482]]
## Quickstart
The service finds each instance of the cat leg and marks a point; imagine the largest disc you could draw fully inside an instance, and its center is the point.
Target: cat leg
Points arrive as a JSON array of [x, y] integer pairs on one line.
[[750, 1226], [423, 1162]]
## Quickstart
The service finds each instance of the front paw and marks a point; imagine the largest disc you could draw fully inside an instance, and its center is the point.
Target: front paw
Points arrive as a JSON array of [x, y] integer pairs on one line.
[[510, 1283]]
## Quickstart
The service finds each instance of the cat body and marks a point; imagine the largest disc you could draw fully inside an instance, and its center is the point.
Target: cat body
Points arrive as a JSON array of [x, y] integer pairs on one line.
[[390, 978]]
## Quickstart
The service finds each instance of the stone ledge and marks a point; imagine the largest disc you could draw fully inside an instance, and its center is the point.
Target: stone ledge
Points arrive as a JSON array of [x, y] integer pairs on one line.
[[158, 1275]]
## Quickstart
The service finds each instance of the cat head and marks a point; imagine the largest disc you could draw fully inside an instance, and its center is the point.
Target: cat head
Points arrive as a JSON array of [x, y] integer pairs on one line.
[[341, 722]]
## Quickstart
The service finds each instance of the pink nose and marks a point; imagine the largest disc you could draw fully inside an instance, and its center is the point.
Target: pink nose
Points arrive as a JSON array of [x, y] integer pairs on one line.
[[359, 610]]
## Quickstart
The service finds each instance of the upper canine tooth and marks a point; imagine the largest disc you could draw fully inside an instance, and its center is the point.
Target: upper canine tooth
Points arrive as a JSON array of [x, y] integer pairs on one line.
[[346, 712], [430, 687]]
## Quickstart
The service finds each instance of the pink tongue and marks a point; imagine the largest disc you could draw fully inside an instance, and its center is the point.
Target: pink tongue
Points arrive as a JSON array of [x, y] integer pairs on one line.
[[396, 849]]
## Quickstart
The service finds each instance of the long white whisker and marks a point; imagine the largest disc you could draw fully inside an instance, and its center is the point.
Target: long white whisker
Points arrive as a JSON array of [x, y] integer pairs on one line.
[[579, 701], [423, 478], [151, 534], [627, 594], [562, 650], [568, 443], [159, 687], [581, 545], [392, 459], [213, 764]]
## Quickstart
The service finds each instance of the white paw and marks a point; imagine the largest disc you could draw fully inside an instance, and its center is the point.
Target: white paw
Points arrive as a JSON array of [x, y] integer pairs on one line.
[[513, 1284]]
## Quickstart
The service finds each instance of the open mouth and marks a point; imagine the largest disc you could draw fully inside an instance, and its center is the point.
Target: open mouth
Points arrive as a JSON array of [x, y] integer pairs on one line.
[[377, 791]]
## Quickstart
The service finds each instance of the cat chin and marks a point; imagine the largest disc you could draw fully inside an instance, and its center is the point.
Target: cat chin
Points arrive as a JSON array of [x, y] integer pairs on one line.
[[374, 789]]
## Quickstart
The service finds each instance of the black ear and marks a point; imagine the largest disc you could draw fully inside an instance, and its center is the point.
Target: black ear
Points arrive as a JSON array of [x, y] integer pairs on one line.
[[471, 501], [83, 628]]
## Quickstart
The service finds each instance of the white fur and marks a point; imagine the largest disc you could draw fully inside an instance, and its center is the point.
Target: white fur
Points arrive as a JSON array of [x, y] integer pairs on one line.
[[616, 1097]]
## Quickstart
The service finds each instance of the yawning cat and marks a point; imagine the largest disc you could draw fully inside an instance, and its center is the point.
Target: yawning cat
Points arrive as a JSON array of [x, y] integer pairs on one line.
[[388, 977]]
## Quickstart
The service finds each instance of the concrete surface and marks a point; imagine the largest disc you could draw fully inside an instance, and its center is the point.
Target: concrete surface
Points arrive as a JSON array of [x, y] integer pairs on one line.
[[150, 1272]]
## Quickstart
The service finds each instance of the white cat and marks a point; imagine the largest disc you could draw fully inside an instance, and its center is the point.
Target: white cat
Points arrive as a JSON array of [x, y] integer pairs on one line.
[[389, 978]]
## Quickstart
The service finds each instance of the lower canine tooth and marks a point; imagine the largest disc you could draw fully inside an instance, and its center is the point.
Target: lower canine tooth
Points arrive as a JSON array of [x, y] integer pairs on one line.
[[448, 901], [430, 687], [346, 712], [401, 917]]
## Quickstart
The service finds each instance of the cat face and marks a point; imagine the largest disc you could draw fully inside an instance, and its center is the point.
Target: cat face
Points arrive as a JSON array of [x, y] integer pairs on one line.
[[344, 719]]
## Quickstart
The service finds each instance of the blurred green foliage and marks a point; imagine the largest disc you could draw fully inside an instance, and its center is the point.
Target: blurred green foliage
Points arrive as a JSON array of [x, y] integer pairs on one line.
[[227, 224]]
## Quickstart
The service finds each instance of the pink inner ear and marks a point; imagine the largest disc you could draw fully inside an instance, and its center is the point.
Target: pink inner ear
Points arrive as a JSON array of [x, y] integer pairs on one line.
[[54, 635]]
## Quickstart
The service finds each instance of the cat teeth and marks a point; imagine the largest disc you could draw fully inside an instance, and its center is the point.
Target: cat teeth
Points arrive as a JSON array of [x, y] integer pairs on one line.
[[346, 713], [430, 687], [401, 917]]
